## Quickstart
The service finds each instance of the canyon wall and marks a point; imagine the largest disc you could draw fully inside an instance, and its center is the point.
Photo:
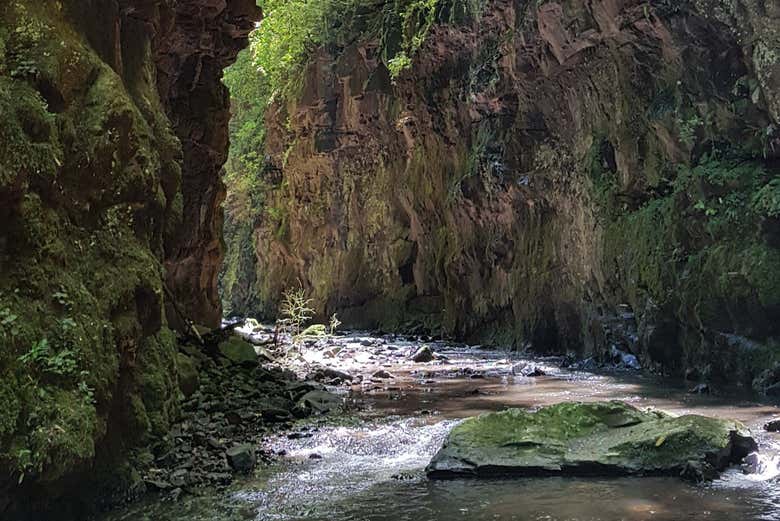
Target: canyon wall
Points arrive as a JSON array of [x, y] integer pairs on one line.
[[563, 175], [114, 131]]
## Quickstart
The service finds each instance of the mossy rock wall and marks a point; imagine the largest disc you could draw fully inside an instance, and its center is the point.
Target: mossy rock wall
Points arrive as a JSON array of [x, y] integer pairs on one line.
[[91, 200], [565, 175]]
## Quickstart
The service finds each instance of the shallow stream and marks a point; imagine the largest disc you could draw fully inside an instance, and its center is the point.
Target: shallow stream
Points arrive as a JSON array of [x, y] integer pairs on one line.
[[370, 465]]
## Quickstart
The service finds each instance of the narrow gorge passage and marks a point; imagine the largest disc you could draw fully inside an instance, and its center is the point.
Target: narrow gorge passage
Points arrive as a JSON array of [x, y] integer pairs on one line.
[[389, 259]]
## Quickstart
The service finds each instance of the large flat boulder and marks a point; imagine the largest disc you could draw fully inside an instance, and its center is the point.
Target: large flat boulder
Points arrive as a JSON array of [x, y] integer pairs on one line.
[[591, 439]]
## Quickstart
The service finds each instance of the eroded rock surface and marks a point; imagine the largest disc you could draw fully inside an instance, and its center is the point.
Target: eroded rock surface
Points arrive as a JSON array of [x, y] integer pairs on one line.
[[571, 175]]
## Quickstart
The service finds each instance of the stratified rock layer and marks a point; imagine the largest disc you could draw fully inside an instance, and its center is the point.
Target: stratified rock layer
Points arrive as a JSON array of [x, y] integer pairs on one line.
[[203, 37], [574, 175], [589, 439]]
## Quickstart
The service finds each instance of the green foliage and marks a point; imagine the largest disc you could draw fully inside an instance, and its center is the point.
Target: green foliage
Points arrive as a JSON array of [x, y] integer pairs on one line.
[[44, 358], [700, 247], [245, 178], [10, 404], [417, 18], [766, 200], [688, 127], [731, 193], [293, 29], [399, 63], [62, 430], [28, 147], [9, 322]]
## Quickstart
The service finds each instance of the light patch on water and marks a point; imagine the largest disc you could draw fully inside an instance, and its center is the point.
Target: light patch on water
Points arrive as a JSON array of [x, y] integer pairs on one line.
[[348, 461]]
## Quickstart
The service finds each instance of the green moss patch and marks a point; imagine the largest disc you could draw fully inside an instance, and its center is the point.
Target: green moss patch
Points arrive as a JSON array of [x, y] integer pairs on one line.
[[611, 438]]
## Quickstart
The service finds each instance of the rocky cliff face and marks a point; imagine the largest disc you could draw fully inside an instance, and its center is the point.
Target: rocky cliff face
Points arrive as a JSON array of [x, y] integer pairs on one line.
[[202, 39], [101, 195], [569, 175]]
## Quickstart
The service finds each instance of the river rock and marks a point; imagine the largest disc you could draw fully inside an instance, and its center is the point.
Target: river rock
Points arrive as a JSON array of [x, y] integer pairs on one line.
[[423, 354], [238, 351], [626, 360], [242, 457], [590, 439], [772, 426], [700, 389], [527, 370], [315, 330], [320, 402], [189, 380], [330, 375]]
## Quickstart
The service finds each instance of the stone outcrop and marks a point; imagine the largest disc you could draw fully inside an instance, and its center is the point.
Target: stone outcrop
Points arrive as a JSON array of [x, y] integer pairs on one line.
[[101, 194], [591, 439], [203, 37], [570, 175]]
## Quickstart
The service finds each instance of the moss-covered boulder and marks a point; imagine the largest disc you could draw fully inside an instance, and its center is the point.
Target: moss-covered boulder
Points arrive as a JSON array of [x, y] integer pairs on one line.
[[315, 330], [238, 351], [590, 439], [189, 378]]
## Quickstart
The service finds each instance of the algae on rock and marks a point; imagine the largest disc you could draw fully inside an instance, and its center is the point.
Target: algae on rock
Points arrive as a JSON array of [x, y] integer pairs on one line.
[[532, 179], [90, 194], [588, 439]]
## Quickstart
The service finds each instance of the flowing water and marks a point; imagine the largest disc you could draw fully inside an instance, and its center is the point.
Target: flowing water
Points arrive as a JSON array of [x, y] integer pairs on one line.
[[372, 469]]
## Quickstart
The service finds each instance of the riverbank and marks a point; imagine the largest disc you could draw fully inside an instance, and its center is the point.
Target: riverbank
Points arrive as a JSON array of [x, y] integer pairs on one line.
[[366, 463]]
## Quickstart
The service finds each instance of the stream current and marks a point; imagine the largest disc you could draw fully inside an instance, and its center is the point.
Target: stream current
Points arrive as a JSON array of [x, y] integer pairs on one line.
[[369, 465]]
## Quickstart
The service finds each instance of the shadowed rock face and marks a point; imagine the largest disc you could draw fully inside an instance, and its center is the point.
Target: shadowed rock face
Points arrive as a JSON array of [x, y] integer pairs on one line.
[[202, 38], [590, 439], [99, 188], [551, 173]]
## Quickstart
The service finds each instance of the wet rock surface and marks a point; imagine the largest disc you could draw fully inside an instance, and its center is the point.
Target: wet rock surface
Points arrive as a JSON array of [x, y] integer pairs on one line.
[[423, 354], [772, 426], [567, 244], [93, 167], [591, 439]]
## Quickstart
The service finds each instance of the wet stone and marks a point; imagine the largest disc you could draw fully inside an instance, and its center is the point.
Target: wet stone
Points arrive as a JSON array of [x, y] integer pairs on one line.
[[423, 354], [320, 401], [242, 458], [587, 439], [527, 370], [698, 472], [700, 389], [772, 426], [276, 414]]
